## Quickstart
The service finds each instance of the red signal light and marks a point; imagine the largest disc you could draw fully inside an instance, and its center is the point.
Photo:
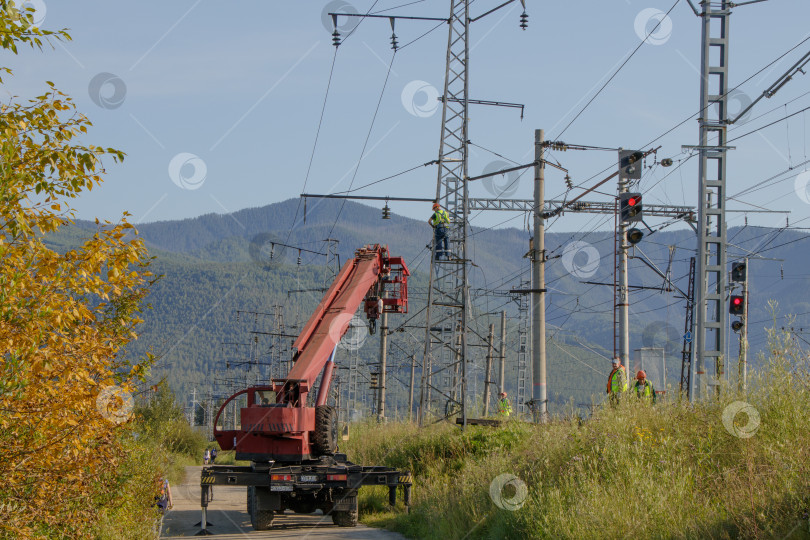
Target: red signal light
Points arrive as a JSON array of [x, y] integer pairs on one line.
[[737, 305], [632, 201]]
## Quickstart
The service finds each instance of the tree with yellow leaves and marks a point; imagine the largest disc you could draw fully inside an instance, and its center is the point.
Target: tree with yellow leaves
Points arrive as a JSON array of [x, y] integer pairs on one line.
[[64, 317]]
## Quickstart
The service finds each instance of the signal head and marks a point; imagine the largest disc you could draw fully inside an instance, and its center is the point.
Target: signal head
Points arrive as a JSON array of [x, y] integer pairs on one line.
[[738, 271], [634, 236], [737, 305]]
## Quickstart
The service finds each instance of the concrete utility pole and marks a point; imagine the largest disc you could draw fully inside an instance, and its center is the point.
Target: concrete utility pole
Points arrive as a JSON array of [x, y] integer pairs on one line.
[[193, 416], [539, 389], [743, 367], [383, 359], [624, 289], [502, 356], [209, 416], [410, 393], [488, 372]]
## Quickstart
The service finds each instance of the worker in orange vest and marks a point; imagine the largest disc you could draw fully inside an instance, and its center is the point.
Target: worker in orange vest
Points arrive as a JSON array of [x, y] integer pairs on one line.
[[504, 406], [617, 381], [644, 389]]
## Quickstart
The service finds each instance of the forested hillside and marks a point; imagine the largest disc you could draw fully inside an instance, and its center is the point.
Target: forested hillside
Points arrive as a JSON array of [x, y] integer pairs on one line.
[[216, 265]]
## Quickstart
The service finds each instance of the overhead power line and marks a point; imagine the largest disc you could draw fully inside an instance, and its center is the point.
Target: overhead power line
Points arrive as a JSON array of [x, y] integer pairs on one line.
[[619, 69]]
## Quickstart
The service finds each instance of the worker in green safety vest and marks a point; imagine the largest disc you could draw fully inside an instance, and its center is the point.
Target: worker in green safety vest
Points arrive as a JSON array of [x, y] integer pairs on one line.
[[617, 381], [644, 389], [439, 221], [504, 407]]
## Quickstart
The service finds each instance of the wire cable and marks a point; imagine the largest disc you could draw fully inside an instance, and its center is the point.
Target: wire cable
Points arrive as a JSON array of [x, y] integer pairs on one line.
[[619, 69], [365, 144], [314, 144]]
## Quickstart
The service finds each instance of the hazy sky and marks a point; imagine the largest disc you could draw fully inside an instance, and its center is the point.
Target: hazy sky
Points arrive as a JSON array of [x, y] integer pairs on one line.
[[217, 104]]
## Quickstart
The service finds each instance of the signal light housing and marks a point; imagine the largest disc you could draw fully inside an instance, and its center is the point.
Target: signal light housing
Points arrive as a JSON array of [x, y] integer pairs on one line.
[[737, 305], [738, 271], [630, 164], [630, 207], [634, 236], [737, 326]]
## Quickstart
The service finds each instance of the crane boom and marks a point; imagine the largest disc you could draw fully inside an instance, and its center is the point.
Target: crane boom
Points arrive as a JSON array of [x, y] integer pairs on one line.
[[281, 431]]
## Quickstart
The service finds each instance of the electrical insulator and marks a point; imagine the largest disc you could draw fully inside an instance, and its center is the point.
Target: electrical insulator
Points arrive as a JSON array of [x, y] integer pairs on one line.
[[394, 44], [524, 20], [386, 212], [568, 182], [336, 38], [559, 145], [666, 162], [272, 250], [299, 257]]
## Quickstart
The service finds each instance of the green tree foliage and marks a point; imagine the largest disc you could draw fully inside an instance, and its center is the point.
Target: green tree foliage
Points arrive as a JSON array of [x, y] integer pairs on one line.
[[64, 317]]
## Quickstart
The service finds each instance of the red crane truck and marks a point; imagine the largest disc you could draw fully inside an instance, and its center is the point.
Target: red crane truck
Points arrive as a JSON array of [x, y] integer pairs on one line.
[[291, 444]]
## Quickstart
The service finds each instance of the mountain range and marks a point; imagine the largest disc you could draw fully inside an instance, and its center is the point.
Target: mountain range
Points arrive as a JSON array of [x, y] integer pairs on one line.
[[226, 282]]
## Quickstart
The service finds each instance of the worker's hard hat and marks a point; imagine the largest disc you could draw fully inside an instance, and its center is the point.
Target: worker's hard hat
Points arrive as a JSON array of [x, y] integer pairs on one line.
[[641, 375], [617, 361], [435, 206], [502, 394]]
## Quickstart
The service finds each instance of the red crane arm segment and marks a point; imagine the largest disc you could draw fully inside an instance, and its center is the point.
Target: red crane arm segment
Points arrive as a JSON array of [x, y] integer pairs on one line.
[[331, 320], [316, 317]]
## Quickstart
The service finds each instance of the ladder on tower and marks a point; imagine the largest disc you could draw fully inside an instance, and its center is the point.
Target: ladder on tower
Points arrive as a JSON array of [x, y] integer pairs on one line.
[[524, 351], [710, 336], [688, 328]]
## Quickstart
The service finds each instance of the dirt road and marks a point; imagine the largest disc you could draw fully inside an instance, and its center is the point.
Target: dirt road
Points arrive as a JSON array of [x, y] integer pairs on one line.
[[229, 519]]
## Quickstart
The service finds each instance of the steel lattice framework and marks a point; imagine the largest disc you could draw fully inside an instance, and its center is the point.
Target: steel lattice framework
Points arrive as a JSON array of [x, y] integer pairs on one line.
[[448, 295], [710, 337]]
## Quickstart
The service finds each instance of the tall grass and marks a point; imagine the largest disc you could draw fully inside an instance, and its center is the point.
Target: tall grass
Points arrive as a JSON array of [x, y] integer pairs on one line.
[[634, 470]]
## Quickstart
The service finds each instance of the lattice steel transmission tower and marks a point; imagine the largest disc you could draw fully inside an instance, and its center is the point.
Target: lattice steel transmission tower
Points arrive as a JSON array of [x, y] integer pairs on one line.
[[332, 261], [524, 352], [686, 353], [448, 295], [279, 351], [710, 337]]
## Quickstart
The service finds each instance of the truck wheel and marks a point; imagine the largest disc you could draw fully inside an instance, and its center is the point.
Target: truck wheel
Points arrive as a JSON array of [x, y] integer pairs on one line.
[[326, 430], [260, 518], [345, 519]]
